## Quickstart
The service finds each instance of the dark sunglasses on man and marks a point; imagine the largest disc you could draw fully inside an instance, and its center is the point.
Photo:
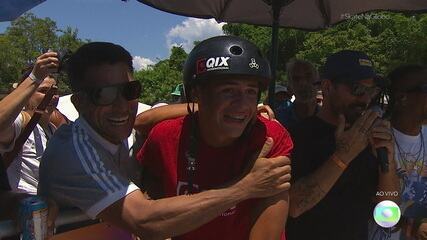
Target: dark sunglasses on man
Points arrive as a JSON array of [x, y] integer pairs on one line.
[[104, 96], [358, 90], [418, 89]]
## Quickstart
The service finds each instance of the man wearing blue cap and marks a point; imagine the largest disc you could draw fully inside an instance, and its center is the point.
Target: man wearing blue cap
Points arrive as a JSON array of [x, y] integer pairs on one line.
[[337, 179]]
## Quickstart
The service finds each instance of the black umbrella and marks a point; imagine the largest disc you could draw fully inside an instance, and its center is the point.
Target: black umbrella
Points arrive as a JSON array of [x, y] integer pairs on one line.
[[12, 9], [301, 14]]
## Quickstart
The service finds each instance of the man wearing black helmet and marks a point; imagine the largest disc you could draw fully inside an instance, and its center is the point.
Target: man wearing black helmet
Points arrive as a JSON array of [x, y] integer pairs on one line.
[[86, 163], [225, 76]]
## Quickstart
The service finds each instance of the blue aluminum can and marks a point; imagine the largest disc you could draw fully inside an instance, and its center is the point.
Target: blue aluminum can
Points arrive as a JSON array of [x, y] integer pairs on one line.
[[33, 218]]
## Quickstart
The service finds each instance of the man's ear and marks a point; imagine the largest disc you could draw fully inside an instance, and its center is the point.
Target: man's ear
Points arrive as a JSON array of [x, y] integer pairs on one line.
[[326, 86], [291, 87], [401, 99]]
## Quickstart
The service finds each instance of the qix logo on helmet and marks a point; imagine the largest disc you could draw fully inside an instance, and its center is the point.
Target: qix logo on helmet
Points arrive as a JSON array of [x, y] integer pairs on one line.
[[211, 64]]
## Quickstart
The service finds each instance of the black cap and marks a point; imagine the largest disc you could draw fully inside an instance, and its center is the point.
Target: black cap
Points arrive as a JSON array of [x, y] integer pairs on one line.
[[348, 66]]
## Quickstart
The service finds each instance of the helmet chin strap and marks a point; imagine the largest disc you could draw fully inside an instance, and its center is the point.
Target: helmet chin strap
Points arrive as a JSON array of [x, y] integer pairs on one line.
[[191, 151], [190, 107]]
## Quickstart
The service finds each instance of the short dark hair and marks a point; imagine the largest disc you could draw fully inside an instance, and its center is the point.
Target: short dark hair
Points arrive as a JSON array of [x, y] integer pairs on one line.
[[94, 54], [397, 79], [290, 67], [402, 72]]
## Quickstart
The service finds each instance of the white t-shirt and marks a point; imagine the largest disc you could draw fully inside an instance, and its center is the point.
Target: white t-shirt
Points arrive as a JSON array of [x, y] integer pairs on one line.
[[411, 157], [23, 172]]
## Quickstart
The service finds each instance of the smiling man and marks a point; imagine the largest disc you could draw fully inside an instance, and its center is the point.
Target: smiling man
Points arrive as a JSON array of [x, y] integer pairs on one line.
[[85, 164], [408, 107], [225, 76]]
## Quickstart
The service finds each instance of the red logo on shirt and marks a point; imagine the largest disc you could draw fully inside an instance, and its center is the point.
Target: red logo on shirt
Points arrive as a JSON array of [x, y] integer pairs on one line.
[[201, 66], [229, 212]]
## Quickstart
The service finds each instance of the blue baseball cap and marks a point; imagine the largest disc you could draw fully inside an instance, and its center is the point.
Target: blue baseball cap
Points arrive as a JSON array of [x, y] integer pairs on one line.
[[348, 66]]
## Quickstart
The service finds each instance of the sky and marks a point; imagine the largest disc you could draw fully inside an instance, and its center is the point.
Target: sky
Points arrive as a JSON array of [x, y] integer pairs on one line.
[[147, 33]]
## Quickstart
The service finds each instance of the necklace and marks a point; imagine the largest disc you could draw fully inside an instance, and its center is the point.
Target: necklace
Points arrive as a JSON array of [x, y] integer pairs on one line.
[[418, 156]]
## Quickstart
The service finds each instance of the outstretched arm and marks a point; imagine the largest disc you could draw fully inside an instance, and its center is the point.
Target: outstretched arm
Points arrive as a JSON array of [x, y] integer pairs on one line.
[[160, 219], [12, 104], [145, 121]]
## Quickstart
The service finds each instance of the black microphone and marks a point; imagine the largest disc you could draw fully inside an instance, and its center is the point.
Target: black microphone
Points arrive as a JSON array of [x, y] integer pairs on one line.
[[382, 153], [382, 156]]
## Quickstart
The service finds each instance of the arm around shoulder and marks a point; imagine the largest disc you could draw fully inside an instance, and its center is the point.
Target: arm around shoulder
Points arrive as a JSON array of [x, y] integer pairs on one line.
[[145, 121], [163, 218]]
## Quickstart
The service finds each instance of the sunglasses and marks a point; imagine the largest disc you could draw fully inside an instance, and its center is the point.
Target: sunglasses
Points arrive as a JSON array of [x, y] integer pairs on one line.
[[105, 96], [359, 90], [420, 88]]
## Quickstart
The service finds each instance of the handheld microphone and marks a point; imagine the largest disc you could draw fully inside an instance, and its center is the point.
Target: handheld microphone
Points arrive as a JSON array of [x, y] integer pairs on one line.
[[382, 154], [383, 159]]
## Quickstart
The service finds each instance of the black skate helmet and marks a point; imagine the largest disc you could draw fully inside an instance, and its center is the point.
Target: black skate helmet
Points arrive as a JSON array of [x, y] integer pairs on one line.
[[224, 55]]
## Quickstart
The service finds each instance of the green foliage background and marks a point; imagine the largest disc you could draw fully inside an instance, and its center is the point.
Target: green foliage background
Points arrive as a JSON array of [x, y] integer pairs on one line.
[[159, 80], [28, 37], [390, 39]]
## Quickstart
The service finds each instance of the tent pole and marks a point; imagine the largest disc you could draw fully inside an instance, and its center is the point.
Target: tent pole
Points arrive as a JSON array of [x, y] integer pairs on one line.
[[276, 6]]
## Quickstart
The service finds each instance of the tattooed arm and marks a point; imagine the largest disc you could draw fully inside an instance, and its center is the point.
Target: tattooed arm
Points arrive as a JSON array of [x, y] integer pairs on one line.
[[309, 190]]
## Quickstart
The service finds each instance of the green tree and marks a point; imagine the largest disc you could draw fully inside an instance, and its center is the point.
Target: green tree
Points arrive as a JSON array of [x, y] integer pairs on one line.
[[177, 58], [10, 63], [25, 39], [158, 82], [33, 35], [290, 42], [390, 39], [69, 40]]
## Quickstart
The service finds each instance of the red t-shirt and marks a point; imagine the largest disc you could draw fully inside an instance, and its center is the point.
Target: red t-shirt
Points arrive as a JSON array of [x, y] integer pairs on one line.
[[163, 154]]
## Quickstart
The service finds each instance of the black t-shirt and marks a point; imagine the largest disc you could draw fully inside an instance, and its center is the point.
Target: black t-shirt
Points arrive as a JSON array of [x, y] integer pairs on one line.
[[344, 212], [4, 183]]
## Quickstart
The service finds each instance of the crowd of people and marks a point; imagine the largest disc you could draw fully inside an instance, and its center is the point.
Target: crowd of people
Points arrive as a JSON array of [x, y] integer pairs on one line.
[[216, 164]]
